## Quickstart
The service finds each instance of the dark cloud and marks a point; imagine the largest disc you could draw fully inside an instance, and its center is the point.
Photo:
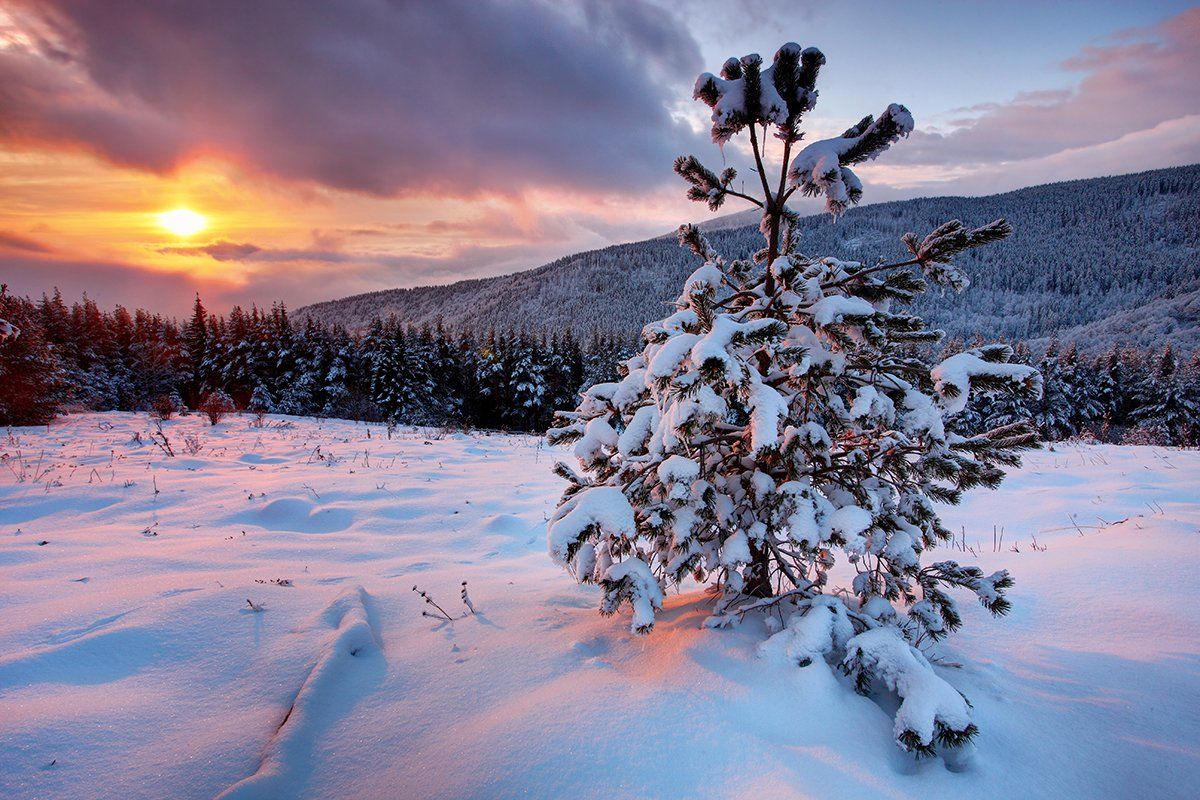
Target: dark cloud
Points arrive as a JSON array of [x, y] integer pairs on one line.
[[1141, 79], [14, 241], [364, 95], [219, 250], [222, 250]]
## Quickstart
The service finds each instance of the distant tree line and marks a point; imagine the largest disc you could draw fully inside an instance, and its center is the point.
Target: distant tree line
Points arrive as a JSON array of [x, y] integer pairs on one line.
[[79, 357]]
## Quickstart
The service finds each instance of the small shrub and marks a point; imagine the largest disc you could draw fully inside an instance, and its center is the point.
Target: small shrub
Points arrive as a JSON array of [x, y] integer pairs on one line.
[[216, 405], [162, 407]]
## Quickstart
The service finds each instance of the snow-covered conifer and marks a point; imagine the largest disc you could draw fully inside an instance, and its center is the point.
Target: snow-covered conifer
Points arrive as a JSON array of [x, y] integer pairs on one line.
[[779, 418], [1167, 403], [1054, 412]]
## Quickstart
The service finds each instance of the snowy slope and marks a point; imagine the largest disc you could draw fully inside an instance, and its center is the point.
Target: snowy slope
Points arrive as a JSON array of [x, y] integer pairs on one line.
[[132, 666]]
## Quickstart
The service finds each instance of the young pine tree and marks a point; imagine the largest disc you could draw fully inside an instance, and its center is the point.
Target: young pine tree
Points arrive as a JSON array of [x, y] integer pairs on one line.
[[779, 420], [261, 403]]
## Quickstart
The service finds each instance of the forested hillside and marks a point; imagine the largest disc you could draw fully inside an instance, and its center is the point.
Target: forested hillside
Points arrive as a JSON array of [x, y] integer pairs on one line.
[[1100, 261]]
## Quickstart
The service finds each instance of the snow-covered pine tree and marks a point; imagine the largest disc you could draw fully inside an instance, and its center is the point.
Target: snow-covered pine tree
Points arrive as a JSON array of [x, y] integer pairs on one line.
[[335, 388], [1054, 412], [176, 403], [1110, 393], [781, 417], [1190, 394], [1081, 389], [196, 344], [527, 382]]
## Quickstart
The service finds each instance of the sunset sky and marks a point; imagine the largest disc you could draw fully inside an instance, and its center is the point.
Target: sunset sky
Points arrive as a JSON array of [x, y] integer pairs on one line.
[[335, 148]]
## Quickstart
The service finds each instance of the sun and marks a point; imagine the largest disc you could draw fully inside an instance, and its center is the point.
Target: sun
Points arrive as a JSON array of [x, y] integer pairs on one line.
[[182, 221]]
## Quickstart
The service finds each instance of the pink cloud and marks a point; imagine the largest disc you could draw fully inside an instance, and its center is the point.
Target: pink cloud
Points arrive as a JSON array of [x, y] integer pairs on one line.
[[1142, 78], [16, 242]]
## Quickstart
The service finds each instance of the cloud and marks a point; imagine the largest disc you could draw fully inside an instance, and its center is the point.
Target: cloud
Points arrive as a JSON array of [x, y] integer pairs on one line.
[[259, 273], [376, 97], [14, 241], [1168, 144], [1140, 79], [107, 282]]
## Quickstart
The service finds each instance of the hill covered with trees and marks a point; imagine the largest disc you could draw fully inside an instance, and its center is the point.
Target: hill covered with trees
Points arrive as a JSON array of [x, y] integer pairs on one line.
[[1099, 261]]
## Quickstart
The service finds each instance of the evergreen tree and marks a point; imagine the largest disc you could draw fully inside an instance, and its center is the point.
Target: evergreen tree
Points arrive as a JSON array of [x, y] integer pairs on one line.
[[492, 381], [527, 382], [31, 377], [261, 402], [236, 354], [447, 371], [778, 418], [1079, 385], [1190, 400], [1053, 412], [196, 345], [1109, 380]]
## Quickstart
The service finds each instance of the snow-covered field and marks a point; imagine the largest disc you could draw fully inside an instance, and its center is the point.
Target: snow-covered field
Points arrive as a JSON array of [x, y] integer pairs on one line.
[[132, 664]]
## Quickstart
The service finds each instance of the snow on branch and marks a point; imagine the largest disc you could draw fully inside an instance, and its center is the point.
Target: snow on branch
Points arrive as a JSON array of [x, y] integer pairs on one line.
[[632, 581], [931, 710], [952, 379], [598, 507], [823, 166]]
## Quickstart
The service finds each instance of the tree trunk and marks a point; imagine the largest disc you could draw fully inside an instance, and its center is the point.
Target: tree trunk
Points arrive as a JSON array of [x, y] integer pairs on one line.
[[758, 582]]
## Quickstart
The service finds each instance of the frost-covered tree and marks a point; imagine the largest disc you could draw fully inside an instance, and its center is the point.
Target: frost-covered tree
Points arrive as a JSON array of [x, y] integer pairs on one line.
[[780, 419], [527, 375], [1055, 412], [1081, 390]]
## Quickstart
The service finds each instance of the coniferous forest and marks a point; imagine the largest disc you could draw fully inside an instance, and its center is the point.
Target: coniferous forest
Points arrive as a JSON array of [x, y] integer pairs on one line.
[[78, 357], [90, 359]]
